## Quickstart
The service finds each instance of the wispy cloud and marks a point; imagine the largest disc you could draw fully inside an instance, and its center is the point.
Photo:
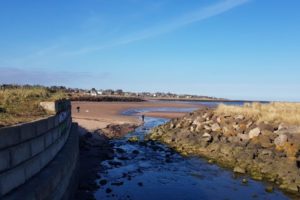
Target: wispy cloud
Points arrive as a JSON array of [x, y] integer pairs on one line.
[[172, 25], [37, 76]]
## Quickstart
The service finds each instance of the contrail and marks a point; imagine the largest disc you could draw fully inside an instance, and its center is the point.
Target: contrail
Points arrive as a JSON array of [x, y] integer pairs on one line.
[[192, 17]]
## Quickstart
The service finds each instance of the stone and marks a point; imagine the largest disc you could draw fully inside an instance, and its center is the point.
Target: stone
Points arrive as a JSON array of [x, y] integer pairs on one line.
[[215, 127], [243, 137], [210, 161], [120, 150], [133, 139], [192, 128], [205, 115], [293, 188], [239, 117], [178, 125], [242, 127], [265, 141], [103, 182], [266, 152], [108, 190], [207, 128], [207, 137], [118, 183], [269, 188], [265, 126], [226, 131], [140, 184], [240, 170], [254, 133], [249, 124], [236, 126], [281, 127], [172, 125], [281, 140], [135, 152], [199, 128]]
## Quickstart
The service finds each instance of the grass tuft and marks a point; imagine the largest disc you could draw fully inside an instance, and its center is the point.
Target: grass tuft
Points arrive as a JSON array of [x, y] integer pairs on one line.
[[22, 104], [275, 112]]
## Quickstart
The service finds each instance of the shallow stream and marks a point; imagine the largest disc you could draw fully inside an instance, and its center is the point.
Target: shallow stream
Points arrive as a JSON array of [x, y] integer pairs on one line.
[[152, 171]]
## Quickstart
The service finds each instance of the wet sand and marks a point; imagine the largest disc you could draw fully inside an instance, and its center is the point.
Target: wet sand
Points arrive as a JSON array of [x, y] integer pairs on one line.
[[97, 115]]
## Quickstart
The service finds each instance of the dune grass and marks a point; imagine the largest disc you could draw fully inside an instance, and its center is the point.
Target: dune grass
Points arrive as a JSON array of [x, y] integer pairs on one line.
[[22, 104], [275, 112]]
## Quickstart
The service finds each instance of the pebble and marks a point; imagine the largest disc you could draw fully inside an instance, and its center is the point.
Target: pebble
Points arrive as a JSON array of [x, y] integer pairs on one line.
[[245, 180], [103, 182], [269, 188], [120, 150], [140, 184], [135, 152], [108, 190], [117, 183]]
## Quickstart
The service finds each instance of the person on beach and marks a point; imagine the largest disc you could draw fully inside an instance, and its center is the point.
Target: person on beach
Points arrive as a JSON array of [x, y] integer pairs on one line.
[[78, 109], [143, 118]]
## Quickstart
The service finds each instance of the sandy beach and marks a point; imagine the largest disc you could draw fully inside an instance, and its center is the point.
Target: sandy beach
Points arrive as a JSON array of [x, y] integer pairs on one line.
[[97, 115]]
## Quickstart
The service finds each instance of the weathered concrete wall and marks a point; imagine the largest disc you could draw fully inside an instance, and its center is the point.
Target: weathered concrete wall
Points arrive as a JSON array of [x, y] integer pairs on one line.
[[35, 158]]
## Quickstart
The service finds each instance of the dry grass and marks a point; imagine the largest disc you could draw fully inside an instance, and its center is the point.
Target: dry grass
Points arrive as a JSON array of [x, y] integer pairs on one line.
[[22, 104], [288, 113]]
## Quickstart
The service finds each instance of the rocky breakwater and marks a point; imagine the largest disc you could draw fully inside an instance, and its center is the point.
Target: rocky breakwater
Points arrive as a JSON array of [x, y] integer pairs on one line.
[[265, 151]]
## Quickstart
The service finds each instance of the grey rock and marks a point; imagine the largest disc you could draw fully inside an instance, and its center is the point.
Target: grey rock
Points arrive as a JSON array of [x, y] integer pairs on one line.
[[281, 140], [215, 127]]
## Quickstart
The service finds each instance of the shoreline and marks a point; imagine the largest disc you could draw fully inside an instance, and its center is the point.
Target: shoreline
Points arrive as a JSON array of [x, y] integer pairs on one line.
[[98, 115]]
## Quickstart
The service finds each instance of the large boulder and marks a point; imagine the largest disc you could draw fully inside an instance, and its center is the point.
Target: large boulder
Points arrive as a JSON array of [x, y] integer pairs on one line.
[[228, 131], [281, 140], [265, 141], [265, 126], [215, 127], [254, 133]]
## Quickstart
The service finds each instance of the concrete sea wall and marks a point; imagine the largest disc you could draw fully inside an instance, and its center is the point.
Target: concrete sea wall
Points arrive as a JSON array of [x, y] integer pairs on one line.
[[38, 160]]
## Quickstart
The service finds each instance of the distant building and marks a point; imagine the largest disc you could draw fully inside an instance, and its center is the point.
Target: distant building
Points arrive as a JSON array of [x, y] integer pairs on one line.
[[100, 92], [108, 92], [119, 92], [93, 92]]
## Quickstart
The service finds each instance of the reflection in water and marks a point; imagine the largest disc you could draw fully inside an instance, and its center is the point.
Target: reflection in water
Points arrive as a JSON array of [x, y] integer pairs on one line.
[[149, 170]]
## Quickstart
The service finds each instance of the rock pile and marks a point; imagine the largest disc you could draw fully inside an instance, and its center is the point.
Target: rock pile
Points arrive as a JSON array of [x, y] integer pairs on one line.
[[118, 130], [264, 150]]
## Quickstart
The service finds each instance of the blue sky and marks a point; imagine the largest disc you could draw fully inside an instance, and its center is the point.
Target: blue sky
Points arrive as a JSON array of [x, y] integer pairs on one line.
[[239, 49]]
